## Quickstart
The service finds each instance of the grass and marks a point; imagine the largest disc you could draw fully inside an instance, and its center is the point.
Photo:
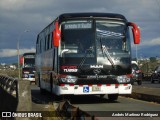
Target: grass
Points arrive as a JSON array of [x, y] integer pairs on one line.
[[11, 73]]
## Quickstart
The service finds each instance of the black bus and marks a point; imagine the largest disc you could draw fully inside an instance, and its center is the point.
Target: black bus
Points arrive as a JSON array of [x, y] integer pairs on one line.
[[86, 54], [27, 62]]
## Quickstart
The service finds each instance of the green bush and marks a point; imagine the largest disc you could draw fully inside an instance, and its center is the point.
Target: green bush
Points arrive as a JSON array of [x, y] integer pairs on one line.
[[11, 73]]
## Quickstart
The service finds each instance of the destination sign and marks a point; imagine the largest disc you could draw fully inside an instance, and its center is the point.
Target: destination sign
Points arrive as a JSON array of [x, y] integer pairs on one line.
[[77, 26], [29, 56]]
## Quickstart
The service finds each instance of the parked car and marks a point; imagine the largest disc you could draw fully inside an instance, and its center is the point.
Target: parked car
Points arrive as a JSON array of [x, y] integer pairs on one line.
[[155, 76], [136, 74]]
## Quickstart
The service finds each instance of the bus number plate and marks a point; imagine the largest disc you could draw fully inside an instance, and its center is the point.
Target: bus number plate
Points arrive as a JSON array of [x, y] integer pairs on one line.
[[96, 88]]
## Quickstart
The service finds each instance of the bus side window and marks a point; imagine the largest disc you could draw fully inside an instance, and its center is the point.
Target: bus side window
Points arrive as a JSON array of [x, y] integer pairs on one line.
[[41, 46], [48, 42]]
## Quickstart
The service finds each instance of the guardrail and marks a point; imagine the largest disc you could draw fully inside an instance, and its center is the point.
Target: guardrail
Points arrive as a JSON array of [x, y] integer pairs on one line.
[[9, 84], [15, 95]]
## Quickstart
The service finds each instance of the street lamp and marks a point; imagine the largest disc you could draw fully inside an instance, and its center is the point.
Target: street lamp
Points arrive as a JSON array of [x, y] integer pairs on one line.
[[19, 52]]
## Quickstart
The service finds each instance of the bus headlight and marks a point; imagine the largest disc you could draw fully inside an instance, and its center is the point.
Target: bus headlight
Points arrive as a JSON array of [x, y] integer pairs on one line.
[[123, 79], [68, 79]]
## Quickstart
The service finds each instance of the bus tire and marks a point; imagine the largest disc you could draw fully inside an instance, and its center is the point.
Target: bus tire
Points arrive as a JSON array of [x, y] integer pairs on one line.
[[42, 91], [112, 97], [152, 79], [139, 82], [38, 77], [102, 95]]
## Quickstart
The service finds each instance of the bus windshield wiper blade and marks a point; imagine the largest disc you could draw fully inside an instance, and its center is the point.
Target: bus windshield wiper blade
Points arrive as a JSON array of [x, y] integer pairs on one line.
[[104, 50]]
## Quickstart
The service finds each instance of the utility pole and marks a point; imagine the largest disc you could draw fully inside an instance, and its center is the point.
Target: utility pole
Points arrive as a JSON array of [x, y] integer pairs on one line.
[[18, 53]]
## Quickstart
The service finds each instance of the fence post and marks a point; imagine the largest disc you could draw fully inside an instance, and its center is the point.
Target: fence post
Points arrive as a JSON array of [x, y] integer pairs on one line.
[[24, 96]]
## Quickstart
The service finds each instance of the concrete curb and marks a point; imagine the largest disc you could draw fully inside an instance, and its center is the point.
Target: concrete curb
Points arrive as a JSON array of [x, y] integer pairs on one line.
[[146, 94], [146, 97]]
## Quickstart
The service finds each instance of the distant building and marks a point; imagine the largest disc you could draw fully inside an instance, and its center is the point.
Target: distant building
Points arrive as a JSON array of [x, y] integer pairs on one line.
[[12, 67]]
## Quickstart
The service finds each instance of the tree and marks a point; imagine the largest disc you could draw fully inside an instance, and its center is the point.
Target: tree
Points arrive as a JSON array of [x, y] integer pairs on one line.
[[153, 59]]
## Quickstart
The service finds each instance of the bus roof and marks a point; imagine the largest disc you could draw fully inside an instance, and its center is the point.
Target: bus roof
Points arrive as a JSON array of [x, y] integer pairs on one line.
[[28, 54], [90, 15], [65, 16]]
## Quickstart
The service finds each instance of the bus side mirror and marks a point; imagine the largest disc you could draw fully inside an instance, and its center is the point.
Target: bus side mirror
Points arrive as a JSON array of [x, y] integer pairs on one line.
[[56, 35], [136, 33], [21, 60]]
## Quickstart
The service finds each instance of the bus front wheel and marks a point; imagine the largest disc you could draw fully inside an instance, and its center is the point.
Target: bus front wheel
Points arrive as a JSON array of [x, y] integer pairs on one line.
[[112, 97], [42, 91]]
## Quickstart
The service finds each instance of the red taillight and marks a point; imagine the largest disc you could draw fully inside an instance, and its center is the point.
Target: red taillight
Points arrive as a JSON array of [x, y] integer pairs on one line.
[[125, 84], [62, 85], [108, 84], [116, 85], [71, 84]]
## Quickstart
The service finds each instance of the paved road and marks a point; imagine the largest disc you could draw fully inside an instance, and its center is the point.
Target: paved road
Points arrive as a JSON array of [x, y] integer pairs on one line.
[[95, 103], [149, 84]]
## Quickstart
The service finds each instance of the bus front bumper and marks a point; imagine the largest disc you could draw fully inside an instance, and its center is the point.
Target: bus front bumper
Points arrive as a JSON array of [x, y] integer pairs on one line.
[[93, 89]]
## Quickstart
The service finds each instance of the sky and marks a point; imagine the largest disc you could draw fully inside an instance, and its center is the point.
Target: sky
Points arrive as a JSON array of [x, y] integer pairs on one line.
[[22, 20]]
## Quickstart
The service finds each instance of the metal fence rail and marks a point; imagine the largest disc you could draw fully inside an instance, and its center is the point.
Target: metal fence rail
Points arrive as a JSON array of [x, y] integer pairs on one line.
[[12, 96], [9, 84]]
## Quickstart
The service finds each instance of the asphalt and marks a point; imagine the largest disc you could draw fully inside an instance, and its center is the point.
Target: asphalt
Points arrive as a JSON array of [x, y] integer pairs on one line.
[[145, 93], [138, 92]]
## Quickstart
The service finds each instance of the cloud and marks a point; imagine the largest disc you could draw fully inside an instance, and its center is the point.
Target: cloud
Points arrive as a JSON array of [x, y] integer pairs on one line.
[[153, 42], [13, 52], [18, 5], [18, 15]]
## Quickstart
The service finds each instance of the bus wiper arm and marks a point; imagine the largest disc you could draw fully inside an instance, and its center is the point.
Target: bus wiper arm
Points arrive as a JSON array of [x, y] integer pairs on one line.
[[104, 50]]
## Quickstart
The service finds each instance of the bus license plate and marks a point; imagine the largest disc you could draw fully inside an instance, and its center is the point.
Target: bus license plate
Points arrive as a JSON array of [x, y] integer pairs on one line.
[[96, 88]]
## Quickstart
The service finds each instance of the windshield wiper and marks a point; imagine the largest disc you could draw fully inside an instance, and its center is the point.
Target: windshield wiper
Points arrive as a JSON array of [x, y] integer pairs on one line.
[[90, 51], [105, 51]]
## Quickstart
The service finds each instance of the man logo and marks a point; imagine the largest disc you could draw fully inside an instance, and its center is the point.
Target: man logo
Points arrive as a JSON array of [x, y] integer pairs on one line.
[[96, 71], [96, 66]]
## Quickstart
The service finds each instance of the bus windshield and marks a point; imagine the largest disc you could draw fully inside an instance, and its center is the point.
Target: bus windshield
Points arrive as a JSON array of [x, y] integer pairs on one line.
[[113, 35], [29, 62], [77, 38], [96, 39]]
